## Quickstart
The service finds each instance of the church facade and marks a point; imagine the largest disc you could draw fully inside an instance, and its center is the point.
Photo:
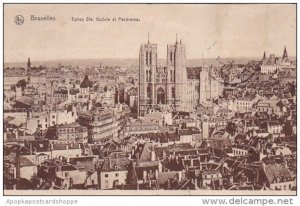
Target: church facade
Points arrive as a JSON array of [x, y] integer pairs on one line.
[[174, 86]]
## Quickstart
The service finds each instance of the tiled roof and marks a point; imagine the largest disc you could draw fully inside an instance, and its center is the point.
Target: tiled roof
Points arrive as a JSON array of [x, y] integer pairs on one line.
[[277, 172], [25, 100], [39, 145], [68, 168], [143, 152], [193, 72], [26, 162], [86, 162], [115, 164]]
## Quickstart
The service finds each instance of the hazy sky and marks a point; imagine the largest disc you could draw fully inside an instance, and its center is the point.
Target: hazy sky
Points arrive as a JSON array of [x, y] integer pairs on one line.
[[230, 31]]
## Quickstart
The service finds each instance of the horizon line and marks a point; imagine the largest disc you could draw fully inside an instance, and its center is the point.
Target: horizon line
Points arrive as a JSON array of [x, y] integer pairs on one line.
[[112, 58]]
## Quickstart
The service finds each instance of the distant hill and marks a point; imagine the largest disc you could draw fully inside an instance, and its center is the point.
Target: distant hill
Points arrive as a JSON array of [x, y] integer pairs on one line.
[[128, 63]]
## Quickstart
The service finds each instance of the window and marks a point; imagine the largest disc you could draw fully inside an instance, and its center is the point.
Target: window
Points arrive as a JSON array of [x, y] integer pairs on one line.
[[147, 74], [106, 175], [173, 76], [150, 58], [147, 58], [117, 174], [173, 93], [148, 92]]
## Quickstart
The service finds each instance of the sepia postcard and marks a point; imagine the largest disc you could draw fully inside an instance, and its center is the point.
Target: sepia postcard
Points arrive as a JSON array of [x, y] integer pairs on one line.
[[149, 99]]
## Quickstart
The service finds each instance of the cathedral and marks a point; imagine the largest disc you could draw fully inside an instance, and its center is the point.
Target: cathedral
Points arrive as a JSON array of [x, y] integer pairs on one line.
[[175, 86]]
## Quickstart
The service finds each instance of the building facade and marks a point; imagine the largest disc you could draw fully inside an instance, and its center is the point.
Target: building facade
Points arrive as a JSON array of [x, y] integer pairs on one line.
[[101, 125], [272, 64], [175, 85], [73, 131]]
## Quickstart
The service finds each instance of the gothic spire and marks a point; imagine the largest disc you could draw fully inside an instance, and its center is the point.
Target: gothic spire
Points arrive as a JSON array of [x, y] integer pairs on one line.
[[285, 55], [264, 57], [28, 62]]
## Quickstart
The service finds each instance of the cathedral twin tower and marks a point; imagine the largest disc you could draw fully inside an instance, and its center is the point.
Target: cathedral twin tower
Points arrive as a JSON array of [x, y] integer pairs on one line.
[[159, 86]]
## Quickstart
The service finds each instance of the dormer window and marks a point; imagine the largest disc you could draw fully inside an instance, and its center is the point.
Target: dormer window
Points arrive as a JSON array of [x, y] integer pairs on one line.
[[150, 58]]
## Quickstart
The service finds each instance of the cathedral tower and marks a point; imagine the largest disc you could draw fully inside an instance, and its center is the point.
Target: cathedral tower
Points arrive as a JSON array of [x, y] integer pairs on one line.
[[176, 75], [147, 70], [27, 70]]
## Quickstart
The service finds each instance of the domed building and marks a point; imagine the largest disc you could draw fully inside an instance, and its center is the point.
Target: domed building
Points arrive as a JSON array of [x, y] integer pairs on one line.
[[85, 89]]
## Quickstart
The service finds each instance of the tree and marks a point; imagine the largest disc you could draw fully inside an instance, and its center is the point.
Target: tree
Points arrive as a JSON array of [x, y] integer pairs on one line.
[[280, 105], [231, 128], [98, 104], [224, 94], [292, 89], [21, 83]]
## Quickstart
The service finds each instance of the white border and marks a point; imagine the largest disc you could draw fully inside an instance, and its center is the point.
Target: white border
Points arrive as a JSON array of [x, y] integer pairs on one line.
[[133, 200]]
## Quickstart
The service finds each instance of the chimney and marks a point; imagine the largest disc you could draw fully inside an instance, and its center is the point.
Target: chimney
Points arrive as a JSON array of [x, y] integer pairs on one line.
[[152, 155], [196, 184], [156, 174], [18, 167], [159, 166], [169, 184], [180, 175], [137, 158], [263, 166], [144, 175], [257, 175], [30, 147]]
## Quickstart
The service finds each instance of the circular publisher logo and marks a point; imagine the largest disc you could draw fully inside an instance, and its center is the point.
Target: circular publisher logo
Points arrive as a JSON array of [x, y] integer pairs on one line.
[[19, 19]]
